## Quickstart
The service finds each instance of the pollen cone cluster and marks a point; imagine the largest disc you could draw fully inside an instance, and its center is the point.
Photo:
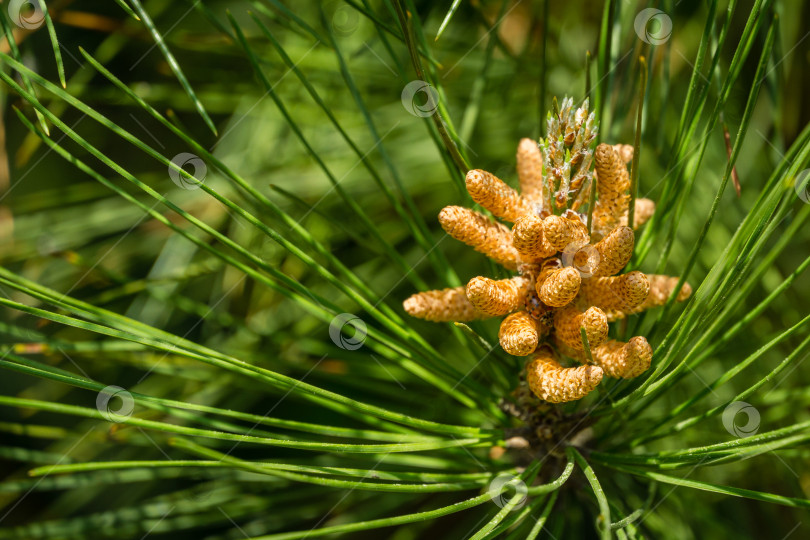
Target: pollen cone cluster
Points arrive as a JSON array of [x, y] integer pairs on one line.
[[568, 281]]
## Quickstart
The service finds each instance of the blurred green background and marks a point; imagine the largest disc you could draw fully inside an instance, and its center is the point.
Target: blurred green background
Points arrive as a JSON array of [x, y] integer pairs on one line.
[[61, 228]]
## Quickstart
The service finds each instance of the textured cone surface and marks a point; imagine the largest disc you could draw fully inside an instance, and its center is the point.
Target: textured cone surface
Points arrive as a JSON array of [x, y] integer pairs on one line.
[[529, 239], [497, 297], [569, 320], [557, 287], [612, 183], [481, 233], [645, 208], [530, 172], [493, 194], [567, 284], [560, 231], [611, 170], [557, 384], [519, 334], [443, 305], [614, 251], [625, 152], [615, 295], [660, 289], [623, 360]]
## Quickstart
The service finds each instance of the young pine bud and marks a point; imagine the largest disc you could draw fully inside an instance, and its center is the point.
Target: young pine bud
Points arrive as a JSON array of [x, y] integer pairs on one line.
[[560, 231], [530, 171], [529, 239], [520, 333], [614, 251], [557, 384], [494, 195], [569, 320], [623, 360], [617, 294], [445, 305], [645, 208], [557, 287], [497, 297], [481, 233]]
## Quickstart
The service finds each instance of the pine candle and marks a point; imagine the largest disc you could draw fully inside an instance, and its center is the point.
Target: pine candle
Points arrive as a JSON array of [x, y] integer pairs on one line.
[[566, 277]]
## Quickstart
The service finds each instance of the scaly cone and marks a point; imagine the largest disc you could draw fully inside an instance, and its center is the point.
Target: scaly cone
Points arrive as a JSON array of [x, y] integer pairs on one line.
[[567, 279]]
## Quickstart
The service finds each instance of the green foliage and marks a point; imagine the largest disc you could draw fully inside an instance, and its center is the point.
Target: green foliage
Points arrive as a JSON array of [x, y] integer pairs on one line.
[[209, 188]]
